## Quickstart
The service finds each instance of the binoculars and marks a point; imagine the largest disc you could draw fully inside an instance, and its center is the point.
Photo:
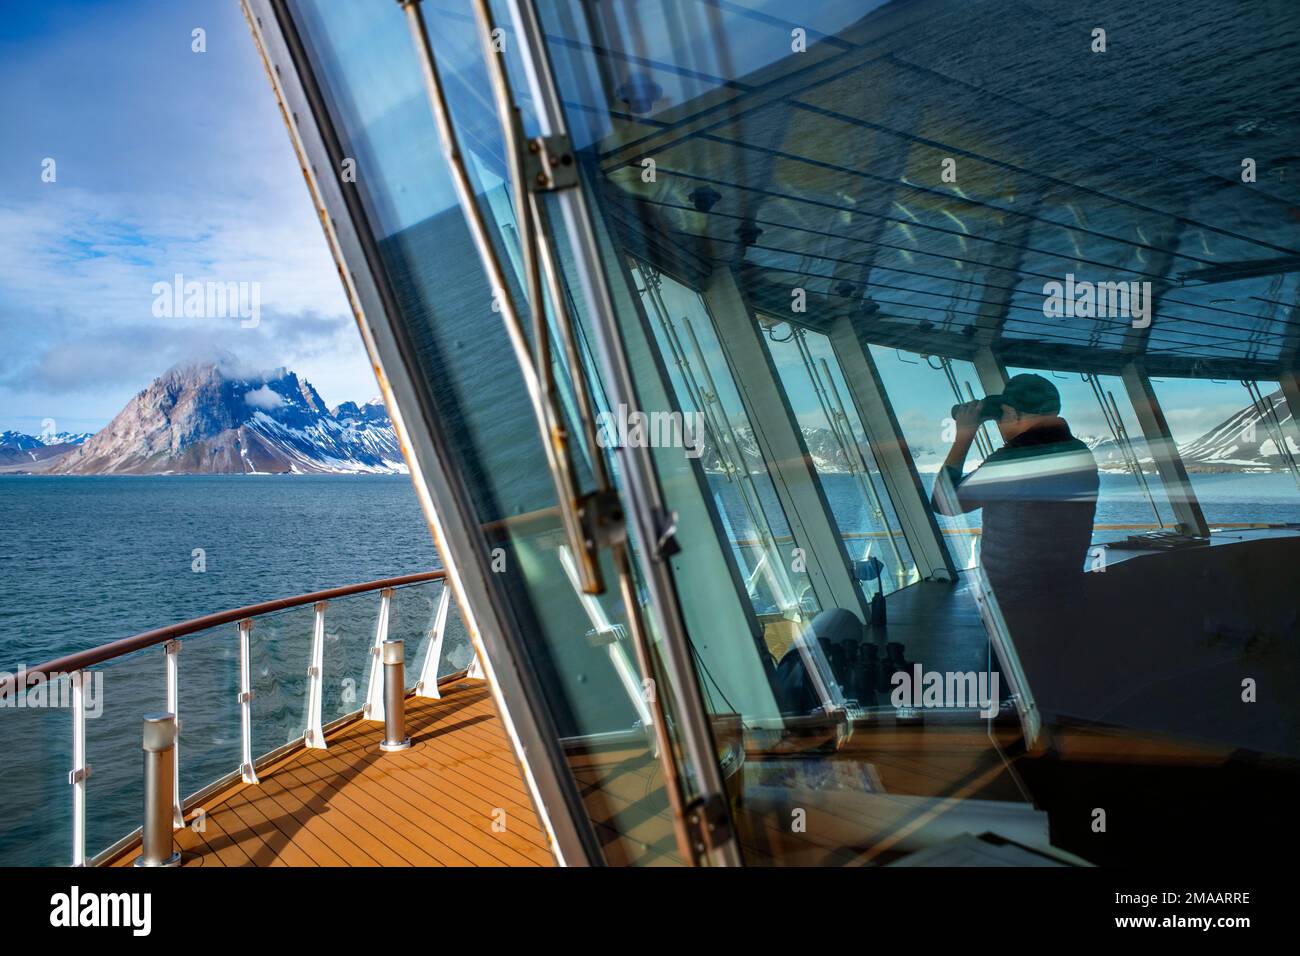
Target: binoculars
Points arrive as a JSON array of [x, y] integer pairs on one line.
[[990, 408]]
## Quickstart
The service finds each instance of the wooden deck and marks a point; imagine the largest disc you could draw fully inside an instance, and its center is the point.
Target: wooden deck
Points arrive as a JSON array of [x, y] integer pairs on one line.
[[353, 805]]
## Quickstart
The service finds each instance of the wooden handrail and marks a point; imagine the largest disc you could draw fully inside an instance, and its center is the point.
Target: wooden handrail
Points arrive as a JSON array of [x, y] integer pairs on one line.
[[127, 645]]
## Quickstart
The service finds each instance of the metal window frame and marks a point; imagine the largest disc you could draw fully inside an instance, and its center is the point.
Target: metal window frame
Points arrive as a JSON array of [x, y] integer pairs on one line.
[[445, 501], [1164, 450], [654, 525], [1290, 384], [628, 293], [1288, 378]]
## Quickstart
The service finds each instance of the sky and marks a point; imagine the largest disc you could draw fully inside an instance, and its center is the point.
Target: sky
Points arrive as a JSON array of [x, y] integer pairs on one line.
[[166, 161]]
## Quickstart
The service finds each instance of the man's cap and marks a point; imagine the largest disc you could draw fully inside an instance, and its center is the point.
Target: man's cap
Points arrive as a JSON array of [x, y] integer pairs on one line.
[[1029, 394]]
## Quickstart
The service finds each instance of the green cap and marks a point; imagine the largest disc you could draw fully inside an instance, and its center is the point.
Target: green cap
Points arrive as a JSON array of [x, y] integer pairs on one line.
[[1029, 394]]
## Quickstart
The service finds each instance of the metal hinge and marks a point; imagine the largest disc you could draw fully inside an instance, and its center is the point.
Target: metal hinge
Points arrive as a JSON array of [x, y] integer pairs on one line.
[[549, 164], [76, 776], [602, 519], [708, 823], [667, 545]]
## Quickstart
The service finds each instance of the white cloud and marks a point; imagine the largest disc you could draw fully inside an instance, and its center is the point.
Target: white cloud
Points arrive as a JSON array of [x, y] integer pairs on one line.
[[264, 397]]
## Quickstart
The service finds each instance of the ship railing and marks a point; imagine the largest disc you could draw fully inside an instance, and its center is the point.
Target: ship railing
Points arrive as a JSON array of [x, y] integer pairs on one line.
[[350, 650]]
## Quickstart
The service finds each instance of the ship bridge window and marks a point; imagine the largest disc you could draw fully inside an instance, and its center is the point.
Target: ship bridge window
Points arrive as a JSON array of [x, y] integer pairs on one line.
[[841, 454], [727, 447], [1239, 443], [923, 389]]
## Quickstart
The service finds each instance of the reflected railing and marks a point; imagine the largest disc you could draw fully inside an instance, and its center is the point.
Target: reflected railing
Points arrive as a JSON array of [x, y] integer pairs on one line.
[[251, 684]]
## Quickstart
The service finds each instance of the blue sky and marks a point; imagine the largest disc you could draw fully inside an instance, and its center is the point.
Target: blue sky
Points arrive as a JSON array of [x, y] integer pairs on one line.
[[167, 161]]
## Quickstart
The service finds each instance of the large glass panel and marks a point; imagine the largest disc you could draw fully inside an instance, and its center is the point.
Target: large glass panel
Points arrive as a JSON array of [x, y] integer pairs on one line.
[[132, 686], [757, 529], [923, 389], [924, 175], [1239, 446], [576, 645], [822, 759], [841, 453], [280, 648], [35, 799]]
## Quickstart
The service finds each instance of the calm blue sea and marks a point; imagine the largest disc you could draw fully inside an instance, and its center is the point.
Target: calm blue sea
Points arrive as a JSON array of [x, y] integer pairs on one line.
[[86, 560]]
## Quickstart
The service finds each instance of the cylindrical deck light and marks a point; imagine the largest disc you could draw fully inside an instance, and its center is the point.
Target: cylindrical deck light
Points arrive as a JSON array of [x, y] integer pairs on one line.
[[394, 697], [156, 846]]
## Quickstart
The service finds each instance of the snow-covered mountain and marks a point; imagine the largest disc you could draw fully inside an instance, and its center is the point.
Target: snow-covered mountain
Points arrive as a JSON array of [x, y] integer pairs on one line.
[[22, 452], [1243, 442], [206, 419], [827, 456], [1108, 455]]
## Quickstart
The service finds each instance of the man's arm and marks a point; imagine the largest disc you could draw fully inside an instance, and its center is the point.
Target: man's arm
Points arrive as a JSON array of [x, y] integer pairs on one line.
[[947, 499]]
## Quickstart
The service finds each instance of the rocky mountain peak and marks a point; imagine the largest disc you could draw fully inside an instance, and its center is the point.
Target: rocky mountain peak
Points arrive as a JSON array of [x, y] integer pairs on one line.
[[214, 417]]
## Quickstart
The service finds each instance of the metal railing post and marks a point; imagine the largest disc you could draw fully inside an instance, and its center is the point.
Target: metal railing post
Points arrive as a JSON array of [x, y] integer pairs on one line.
[[156, 845], [172, 651], [80, 769], [427, 685], [374, 708], [314, 735], [394, 698], [246, 769]]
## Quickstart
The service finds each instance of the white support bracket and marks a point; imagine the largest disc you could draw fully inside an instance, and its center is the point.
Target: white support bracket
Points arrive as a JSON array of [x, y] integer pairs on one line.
[[476, 668], [245, 700], [427, 685], [374, 706], [314, 735], [172, 652]]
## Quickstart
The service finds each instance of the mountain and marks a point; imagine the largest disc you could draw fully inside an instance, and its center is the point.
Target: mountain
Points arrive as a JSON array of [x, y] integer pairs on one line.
[[1242, 441], [27, 453], [1109, 457], [207, 419], [827, 456]]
